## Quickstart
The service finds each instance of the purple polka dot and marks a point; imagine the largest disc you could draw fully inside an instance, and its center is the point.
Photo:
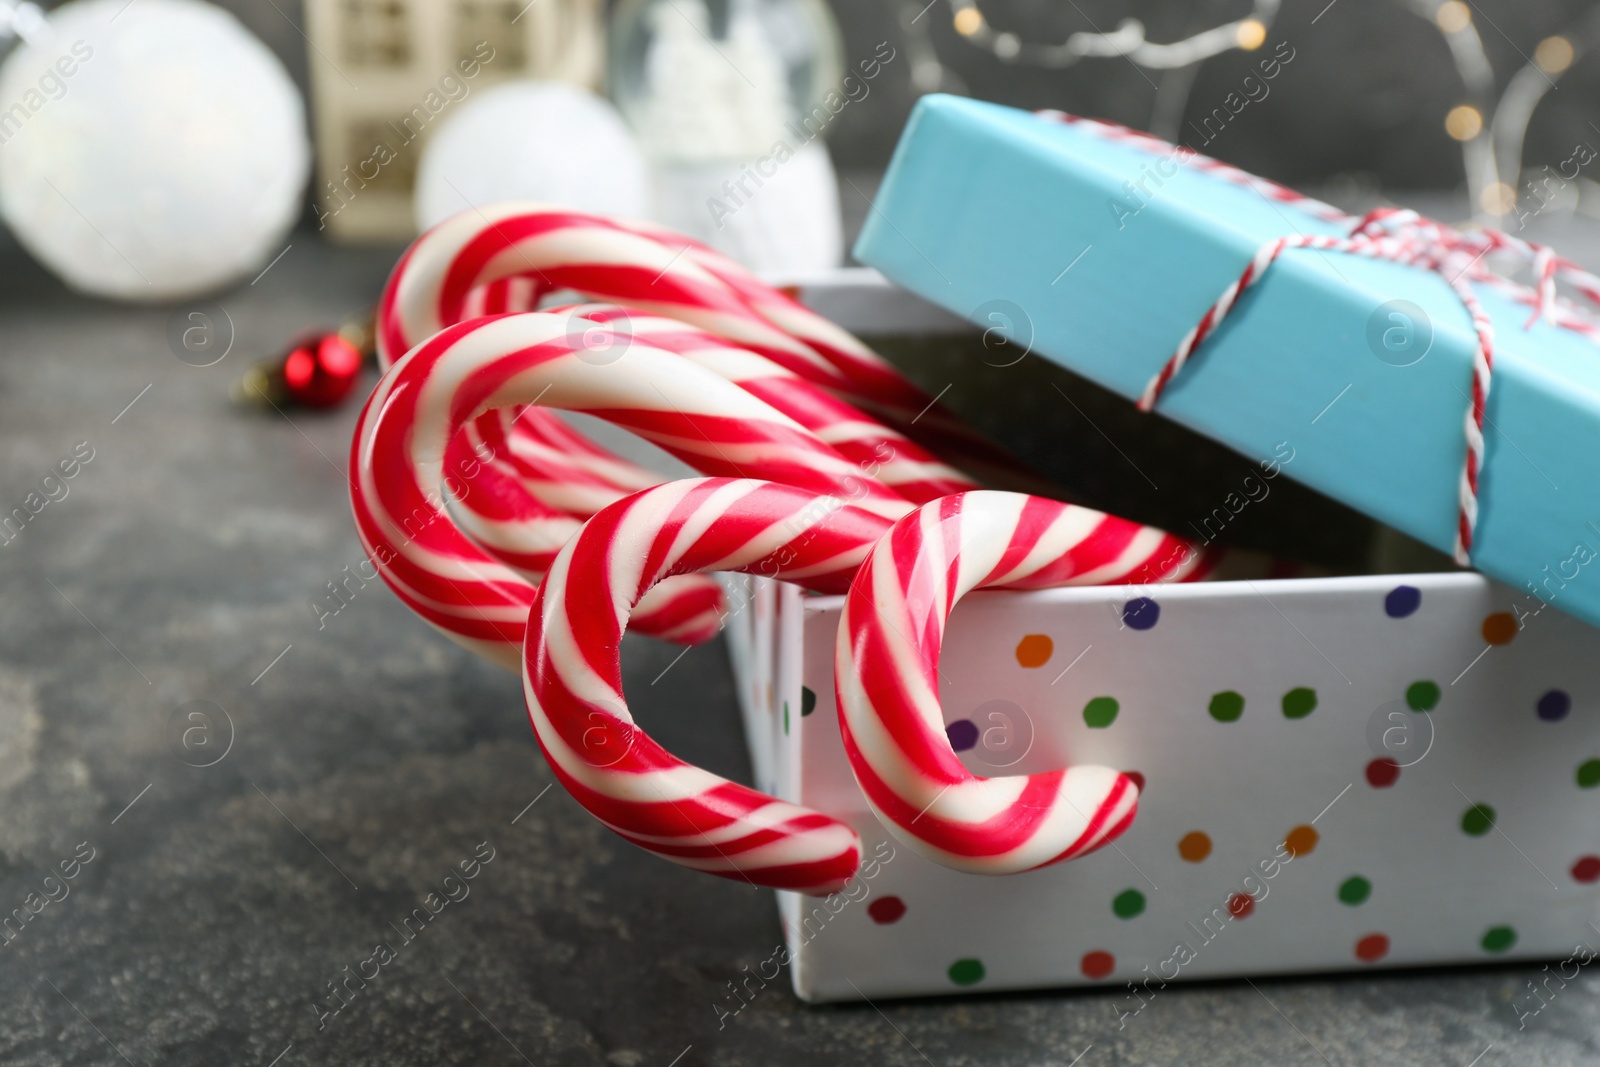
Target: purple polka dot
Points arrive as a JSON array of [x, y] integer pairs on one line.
[[963, 734], [1141, 613], [1402, 600], [1554, 705]]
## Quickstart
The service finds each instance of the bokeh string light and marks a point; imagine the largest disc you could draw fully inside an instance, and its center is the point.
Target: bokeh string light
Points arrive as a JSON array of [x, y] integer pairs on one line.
[[1492, 132], [1176, 61], [1127, 41]]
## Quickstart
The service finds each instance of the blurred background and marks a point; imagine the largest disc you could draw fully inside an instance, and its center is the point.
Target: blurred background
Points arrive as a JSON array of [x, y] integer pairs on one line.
[[367, 118], [1372, 84]]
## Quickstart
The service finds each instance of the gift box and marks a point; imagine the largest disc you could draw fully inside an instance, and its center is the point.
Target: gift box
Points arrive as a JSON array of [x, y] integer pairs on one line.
[[1337, 773], [1101, 252]]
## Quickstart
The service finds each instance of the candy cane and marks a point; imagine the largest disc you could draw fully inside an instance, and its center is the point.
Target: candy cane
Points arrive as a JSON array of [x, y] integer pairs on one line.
[[543, 481], [527, 535], [572, 675], [425, 400], [570, 478], [495, 509], [901, 463], [573, 680], [886, 676], [653, 270]]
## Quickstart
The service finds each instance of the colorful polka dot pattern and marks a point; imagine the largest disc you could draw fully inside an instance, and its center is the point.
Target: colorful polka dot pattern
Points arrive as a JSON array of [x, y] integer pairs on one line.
[[1127, 904], [886, 910], [1499, 628], [1553, 706], [1354, 890], [1372, 948], [1035, 650], [1422, 696], [1402, 601], [1588, 774], [1100, 712], [1195, 846], [1299, 702], [966, 972], [1301, 841], [1383, 772], [1097, 964], [963, 734], [1141, 613], [1499, 939], [1477, 820], [1227, 706]]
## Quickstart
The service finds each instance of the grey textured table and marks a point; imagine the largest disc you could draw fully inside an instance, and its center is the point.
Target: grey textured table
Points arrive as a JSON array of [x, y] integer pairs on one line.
[[369, 755]]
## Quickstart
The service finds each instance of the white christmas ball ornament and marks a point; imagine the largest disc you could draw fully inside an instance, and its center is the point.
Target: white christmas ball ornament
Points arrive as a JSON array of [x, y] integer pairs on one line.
[[545, 141], [149, 151]]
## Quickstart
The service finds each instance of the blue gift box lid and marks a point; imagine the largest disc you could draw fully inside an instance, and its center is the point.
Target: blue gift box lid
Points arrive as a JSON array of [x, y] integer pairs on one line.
[[1103, 254]]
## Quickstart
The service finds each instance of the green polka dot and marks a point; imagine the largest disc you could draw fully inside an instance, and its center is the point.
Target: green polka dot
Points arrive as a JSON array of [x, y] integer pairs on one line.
[[966, 972], [1128, 903], [1227, 706], [1422, 696], [1354, 890], [1589, 774], [1477, 820], [1100, 712], [785, 718], [808, 701], [1299, 702], [1499, 939]]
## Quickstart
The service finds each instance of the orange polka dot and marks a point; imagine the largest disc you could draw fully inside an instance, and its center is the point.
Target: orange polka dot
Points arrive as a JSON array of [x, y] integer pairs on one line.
[[1194, 846], [1499, 628], [1035, 650], [1301, 840], [1097, 964]]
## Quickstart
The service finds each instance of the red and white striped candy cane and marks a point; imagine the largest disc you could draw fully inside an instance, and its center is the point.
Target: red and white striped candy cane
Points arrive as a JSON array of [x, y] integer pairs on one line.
[[567, 477], [658, 272], [898, 461], [572, 674], [570, 478], [886, 675], [573, 679], [539, 485], [494, 508], [521, 495], [559, 465], [425, 400]]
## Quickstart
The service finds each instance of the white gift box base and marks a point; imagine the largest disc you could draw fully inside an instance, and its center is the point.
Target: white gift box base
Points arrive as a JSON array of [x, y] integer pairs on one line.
[[1339, 773]]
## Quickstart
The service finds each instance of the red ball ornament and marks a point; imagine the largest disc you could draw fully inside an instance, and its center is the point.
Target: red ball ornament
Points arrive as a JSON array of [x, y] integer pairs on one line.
[[320, 371]]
